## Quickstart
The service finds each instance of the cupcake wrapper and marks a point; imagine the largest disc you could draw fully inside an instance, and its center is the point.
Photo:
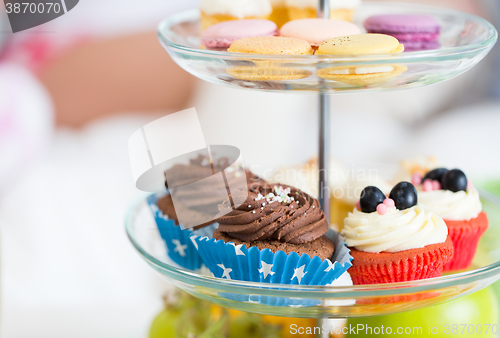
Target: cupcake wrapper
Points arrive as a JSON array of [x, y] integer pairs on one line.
[[226, 260], [180, 247], [465, 236], [375, 268]]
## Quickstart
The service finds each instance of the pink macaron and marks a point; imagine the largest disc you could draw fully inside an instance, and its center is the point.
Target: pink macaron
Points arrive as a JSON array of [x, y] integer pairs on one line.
[[316, 31], [414, 31], [221, 35]]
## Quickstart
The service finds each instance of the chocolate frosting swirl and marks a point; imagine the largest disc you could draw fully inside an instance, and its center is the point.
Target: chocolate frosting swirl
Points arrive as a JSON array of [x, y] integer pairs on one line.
[[274, 211]]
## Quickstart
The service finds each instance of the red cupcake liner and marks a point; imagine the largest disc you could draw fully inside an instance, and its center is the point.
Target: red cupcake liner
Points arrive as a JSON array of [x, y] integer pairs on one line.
[[408, 265], [465, 236]]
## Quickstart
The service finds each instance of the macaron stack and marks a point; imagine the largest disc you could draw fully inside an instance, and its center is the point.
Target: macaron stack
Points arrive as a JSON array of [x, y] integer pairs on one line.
[[414, 31], [222, 35], [315, 31], [387, 34], [266, 70]]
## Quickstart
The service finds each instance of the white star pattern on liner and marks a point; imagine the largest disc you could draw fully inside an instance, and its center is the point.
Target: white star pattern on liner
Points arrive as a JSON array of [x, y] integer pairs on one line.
[[226, 271], [238, 250], [299, 273], [179, 248], [154, 207], [194, 242], [298, 305], [330, 265], [266, 269]]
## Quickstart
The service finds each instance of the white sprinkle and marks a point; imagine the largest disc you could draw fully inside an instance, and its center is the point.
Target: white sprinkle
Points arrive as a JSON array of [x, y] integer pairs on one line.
[[249, 206], [263, 204], [291, 206], [314, 207], [305, 213], [262, 208], [253, 212]]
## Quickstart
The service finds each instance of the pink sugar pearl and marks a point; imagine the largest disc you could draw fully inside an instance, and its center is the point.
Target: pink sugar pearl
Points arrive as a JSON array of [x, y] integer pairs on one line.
[[416, 179], [427, 185], [389, 202], [382, 209], [470, 185], [436, 185], [358, 206]]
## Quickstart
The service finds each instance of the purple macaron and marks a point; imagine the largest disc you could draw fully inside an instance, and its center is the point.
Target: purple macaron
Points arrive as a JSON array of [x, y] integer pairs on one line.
[[221, 35], [414, 31]]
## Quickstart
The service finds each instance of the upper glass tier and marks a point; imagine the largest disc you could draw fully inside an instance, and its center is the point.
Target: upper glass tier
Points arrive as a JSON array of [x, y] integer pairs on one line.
[[465, 40]]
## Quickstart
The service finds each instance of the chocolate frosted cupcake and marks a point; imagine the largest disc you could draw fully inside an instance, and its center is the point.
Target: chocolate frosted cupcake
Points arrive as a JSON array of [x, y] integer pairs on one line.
[[276, 236], [278, 218]]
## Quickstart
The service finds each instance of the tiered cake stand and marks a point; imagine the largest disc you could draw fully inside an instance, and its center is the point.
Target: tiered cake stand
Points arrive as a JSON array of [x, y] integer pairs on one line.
[[466, 39]]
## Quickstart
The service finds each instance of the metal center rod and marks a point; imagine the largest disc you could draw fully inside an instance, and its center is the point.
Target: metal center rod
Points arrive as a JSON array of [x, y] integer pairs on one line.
[[324, 153], [324, 132], [324, 149]]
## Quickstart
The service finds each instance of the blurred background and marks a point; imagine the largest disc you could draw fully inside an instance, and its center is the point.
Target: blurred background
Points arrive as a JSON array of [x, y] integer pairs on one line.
[[73, 90]]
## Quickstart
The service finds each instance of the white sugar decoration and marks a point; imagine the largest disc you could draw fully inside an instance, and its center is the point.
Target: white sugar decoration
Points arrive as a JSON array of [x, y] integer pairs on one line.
[[280, 195], [253, 212], [263, 204], [314, 207], [249, 206], [259, 197], [262, 208]]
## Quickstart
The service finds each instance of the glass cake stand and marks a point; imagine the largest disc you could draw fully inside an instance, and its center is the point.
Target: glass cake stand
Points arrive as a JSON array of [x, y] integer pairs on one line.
[[318, 301], [465, 40]]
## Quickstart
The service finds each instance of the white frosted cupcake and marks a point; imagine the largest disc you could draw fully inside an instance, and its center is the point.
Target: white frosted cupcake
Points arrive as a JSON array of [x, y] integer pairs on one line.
[[449, 194], [339, 9], [394, 239], [215, 11]]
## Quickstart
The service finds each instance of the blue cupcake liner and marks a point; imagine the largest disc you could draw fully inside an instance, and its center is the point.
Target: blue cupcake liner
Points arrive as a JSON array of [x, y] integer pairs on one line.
[[180, 247], [230, 261]]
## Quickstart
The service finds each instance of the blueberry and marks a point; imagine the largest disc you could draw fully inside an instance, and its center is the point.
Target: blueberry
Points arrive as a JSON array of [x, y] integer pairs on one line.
[[454, 180], [435, 175], [404, 195], [370, 198]]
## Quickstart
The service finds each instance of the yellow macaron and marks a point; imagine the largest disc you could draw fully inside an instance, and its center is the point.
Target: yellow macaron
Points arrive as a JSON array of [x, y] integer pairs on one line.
[[269, 70], [275, 45], [361, 44]]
